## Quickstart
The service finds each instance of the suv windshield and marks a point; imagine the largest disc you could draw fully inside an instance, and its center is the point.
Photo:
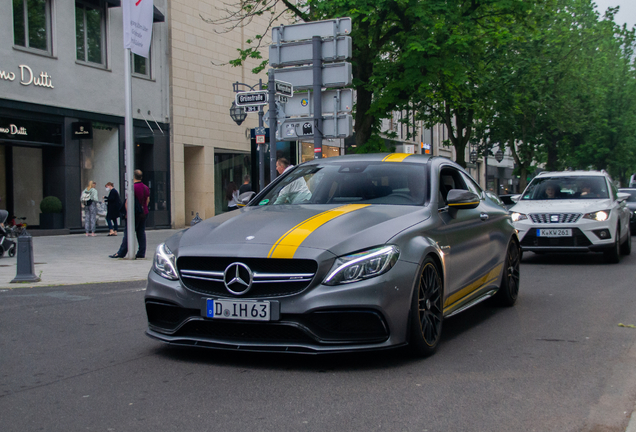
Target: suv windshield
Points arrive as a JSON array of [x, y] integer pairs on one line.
[[351, 183], [570, 187]]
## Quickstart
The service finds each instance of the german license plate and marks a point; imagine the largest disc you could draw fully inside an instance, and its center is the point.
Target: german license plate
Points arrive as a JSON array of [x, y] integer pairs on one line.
[[566, 232], [252, 310]]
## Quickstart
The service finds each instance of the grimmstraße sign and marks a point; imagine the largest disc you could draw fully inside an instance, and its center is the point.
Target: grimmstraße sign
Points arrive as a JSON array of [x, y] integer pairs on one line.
[[251, 98], [138, 25]]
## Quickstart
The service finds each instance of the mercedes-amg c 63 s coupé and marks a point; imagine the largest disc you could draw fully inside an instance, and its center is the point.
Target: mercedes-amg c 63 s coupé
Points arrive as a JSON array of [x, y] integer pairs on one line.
[[341, 254]]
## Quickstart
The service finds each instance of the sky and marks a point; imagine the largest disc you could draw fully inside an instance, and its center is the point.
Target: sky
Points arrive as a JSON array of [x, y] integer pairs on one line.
[[627, 13]]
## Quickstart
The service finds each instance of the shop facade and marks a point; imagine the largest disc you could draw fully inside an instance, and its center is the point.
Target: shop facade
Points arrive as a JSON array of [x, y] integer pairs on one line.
[[62, 103]]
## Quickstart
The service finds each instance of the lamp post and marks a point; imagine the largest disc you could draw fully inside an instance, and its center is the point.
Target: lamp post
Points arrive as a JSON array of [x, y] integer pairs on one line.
[[239, 115], [499, 155]]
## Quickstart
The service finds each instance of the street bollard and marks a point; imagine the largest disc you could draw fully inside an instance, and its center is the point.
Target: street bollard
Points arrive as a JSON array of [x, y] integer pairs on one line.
[[26, 265], [195, 220]]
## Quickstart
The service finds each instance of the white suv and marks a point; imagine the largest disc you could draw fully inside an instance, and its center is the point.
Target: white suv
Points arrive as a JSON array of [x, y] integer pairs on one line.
[[573, 211]]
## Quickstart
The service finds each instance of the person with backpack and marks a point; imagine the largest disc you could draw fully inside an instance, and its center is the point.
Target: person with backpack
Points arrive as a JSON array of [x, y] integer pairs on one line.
[[89, 200], [142, 199]]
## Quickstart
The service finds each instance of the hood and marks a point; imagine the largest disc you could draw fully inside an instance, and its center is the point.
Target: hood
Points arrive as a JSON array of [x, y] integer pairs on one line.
[[285, 231], [562, 206]]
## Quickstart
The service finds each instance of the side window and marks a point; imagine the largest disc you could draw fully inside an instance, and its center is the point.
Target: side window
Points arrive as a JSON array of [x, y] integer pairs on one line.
[[472, 185], [449, 178], [32, 24], [613, 188]]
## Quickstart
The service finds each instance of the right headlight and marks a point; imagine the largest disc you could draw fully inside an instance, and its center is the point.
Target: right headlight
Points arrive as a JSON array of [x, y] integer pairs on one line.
[[164, 263], [516, 217], [599, 216], [362, 265]]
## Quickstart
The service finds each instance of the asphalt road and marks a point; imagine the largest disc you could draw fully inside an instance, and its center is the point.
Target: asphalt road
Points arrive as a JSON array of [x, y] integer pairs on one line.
[[75, 358]]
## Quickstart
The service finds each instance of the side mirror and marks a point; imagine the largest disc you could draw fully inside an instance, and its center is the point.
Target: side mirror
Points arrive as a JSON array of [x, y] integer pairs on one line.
[[245, 198], [622, 196], [515, 198], [462, 199]]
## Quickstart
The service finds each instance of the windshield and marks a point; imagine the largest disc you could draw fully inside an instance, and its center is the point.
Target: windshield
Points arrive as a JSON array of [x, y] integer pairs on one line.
[[571, 187], [351, 183]]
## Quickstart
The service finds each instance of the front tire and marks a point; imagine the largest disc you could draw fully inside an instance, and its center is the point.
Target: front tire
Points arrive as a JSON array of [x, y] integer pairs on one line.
[[426, 311], [509, 288], [626, 247], [612, 256]]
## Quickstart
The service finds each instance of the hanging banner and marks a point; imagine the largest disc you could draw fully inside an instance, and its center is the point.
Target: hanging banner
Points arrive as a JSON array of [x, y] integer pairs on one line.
[[138, 25]]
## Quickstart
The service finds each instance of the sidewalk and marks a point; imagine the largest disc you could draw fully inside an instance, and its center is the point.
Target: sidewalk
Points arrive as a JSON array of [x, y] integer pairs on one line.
[[77, 259]]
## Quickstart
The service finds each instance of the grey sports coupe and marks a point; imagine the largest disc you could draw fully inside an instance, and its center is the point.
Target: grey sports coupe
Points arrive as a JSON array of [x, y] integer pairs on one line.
[[341, 254]]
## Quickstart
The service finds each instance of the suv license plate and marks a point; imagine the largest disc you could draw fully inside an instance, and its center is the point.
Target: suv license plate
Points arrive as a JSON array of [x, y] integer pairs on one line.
[[554, 232], [252, 310]]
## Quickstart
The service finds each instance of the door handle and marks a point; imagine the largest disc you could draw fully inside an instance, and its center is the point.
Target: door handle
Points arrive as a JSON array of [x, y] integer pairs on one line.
[[483, 216]]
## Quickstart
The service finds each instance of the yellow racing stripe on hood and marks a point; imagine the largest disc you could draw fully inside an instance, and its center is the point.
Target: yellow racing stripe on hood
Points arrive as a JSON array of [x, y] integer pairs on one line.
[[396, 157], [286, 246]]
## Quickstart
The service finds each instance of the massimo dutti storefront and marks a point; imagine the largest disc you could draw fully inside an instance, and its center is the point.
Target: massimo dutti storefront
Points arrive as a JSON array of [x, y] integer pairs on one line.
[[50, 151]]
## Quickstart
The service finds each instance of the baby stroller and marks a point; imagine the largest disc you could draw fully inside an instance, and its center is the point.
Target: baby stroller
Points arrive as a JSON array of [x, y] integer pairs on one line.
[[6, 245]]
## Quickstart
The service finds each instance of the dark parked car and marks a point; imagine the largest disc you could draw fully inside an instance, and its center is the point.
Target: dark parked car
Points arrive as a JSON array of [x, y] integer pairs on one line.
[[631, 204], [347, 253]]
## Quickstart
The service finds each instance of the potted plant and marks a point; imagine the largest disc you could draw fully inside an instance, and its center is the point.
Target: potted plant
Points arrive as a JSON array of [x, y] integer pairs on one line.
[[51, 216]]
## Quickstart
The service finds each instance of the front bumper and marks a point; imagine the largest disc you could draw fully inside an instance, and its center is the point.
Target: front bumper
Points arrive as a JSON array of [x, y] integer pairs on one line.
[[585, 237], [370, 314]]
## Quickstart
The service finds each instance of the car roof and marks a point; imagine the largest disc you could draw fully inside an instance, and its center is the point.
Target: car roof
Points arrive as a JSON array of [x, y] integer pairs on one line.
[[378, 157], [580, 173]]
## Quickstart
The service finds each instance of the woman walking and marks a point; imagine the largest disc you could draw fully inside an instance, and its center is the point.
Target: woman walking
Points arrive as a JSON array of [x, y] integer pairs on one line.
[[113, 205], [89, 199]]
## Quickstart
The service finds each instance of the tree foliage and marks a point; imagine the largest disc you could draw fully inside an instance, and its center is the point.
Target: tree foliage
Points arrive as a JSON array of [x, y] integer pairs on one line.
[[549, 79]]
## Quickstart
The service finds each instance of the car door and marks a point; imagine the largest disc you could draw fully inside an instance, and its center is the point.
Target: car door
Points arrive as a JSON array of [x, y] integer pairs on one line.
[[470, 253]]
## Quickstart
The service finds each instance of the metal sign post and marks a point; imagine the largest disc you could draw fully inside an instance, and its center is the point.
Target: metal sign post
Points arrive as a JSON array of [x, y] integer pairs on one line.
[[317, 69], [271, 84], [130, 158]]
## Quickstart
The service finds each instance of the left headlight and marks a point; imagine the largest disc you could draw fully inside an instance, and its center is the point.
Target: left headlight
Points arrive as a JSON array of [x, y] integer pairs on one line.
[[597, 216], [164, 263], [516, 217], [362, 265]]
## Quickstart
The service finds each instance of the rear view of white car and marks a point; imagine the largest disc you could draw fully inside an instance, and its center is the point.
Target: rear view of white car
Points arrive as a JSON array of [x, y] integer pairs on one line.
[[573, 211]]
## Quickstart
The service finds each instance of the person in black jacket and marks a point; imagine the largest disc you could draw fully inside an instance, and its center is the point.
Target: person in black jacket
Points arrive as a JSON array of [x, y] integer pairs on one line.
[[113, 205]]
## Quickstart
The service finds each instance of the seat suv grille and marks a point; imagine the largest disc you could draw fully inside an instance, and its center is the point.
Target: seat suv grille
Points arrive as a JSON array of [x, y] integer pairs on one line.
[[547, 218], [271, 277]]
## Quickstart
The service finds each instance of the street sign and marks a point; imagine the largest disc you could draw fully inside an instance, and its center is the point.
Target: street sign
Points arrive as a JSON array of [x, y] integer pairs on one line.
[[299, 128], [260, 139], [301, 104], [282, 99], [251, 98], [303, 31], [333, 75], [283, 88], [296, 53], [251, 108]]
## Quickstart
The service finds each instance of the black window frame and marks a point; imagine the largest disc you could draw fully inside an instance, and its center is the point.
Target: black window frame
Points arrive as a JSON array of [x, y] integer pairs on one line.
[[148, 65], [104, 36], [25, 22]]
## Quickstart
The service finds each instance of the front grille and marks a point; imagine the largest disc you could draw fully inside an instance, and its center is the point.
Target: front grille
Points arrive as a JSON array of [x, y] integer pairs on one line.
[[272, 277], [547, 218], [577, 239], [237, 332], [167, 315]]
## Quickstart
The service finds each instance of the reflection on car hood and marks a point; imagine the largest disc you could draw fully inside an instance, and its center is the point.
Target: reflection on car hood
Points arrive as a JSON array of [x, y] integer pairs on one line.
[[562, 206], [279, 230]]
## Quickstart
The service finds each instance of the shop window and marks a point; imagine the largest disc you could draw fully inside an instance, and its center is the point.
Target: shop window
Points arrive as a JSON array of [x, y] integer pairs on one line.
[[90, 32], [32, 24], [141, 66]]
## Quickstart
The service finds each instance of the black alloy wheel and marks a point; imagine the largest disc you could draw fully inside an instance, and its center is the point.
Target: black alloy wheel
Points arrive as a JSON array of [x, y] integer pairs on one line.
[[509, 288], [427, 311]]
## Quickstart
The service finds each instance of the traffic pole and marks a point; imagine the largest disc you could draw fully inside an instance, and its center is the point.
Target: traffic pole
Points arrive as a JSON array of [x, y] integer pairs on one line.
[[317, 88]]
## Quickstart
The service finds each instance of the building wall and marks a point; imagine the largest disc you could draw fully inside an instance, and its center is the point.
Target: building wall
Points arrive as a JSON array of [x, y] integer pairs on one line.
[[78, 86], [201, 95]]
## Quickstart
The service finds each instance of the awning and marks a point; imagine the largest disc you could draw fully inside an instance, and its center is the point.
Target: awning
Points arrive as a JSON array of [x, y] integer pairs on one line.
[[157, 16]]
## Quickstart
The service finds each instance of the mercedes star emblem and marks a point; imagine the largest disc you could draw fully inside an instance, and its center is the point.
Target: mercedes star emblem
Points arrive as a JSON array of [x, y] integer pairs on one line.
[[238, 278]]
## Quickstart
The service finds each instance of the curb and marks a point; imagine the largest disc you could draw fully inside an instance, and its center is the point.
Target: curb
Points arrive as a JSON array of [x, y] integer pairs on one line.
[[631, 427]]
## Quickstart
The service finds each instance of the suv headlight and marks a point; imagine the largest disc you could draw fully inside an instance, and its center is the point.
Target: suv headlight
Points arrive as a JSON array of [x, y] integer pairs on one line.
[[600, 216], [516, 217], [362, 265], [164, 263]]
